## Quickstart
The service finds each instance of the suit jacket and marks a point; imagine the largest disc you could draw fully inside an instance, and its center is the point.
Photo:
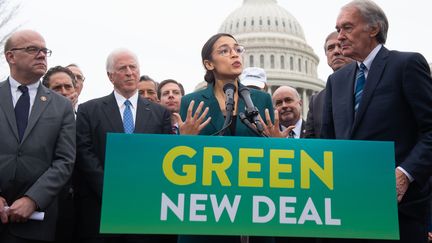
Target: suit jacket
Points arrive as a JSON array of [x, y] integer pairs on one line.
[[96, 118], [261, 100], [303, 129], [396, 106], [314, 116], [42, 163]]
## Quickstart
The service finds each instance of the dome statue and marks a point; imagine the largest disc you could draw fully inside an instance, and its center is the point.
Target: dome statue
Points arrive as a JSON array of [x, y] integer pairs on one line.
[[275, 41]]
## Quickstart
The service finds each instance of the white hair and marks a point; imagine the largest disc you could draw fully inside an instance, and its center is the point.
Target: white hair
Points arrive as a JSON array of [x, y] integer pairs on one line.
[[113, 55]]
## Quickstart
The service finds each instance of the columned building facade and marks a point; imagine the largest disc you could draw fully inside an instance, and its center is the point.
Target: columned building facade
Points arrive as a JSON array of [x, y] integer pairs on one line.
[[275, 41]]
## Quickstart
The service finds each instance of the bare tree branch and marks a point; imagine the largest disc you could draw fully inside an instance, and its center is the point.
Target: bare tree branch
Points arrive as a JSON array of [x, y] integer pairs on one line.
[[7, 13]]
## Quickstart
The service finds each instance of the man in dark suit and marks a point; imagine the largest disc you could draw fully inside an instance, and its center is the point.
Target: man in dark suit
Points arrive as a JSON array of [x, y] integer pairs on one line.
[[123, 111], [37, 149], [394, 104], [286, 100], [170, 93], [147, 88], [335, 60], [62, 81]]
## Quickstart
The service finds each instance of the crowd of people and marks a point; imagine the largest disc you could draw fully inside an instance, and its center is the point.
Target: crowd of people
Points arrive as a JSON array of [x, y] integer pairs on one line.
[[52, 150]]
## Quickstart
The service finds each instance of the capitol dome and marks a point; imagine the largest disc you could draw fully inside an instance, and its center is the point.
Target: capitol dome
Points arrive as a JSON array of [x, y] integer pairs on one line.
[[275, 41]]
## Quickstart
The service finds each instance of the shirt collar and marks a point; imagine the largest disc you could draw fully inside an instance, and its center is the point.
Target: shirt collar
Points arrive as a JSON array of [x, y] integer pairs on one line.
[[15, 84], [121, 99], [297, 128], [369, 59]]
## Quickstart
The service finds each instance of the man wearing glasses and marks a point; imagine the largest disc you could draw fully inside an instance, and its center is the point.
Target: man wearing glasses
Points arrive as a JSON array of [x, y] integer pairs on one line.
[[37, 149], [79, 77], [79, 81]]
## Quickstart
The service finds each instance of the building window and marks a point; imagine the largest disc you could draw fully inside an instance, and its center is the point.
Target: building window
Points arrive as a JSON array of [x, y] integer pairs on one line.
[[244, 23], [251, 61], [262, 61], [291, 63], [268, 22], [272, 61], [282, 61], [260, 22], [306, 66], [252, 22], [299, 65]]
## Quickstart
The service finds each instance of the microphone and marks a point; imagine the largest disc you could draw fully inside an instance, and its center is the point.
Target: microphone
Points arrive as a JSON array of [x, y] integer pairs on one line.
[[229, 90], [251, 110]]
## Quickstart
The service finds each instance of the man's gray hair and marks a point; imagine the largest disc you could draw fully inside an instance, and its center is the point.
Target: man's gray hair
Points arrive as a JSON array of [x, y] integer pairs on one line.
[[373, 15], [331, 35], [112, 56]]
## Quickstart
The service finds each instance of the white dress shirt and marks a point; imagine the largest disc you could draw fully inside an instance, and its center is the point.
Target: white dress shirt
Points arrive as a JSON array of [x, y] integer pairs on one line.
[[16, 93], [120, 102]]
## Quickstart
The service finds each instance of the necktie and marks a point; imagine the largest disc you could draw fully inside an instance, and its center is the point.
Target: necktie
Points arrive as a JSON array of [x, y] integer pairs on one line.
[[291, 134], [128, 123], [22, 108], [360, 82]]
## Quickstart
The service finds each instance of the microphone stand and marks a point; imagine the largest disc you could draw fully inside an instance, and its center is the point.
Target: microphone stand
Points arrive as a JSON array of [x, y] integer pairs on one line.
[[245, 120], [228, 119], [251, 113], [229, 90]]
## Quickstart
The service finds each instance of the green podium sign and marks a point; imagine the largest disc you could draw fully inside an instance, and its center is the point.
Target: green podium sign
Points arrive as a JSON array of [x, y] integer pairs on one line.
[[167, 184]]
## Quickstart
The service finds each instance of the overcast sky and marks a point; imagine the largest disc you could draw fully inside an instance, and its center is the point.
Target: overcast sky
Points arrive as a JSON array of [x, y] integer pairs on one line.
[[168, 35]]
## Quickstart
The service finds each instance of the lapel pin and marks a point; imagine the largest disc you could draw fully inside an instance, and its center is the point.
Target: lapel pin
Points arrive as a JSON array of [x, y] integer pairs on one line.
[[43, 98]]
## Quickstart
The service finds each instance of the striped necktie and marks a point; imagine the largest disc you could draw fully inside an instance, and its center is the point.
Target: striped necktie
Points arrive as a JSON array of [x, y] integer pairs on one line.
[[360, 82]]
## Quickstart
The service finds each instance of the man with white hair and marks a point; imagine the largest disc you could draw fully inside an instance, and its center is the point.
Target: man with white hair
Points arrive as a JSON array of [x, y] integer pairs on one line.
[[384, 96], [122, 111]]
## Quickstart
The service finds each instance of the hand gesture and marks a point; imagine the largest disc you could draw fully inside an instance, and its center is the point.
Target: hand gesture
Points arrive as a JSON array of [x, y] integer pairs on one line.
[[273, 130], [193, 123]]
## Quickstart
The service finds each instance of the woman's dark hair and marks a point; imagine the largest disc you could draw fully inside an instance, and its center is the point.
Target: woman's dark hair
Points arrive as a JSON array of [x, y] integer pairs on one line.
[[206, 54]]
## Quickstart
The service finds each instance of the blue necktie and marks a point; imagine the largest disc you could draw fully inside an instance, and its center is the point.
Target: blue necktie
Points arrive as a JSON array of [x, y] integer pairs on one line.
[[22, 108], [128, 123], [360, 82]]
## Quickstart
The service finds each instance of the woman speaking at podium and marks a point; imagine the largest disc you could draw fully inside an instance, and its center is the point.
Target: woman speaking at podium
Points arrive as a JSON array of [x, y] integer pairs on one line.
[[205, 112], [226, 108]]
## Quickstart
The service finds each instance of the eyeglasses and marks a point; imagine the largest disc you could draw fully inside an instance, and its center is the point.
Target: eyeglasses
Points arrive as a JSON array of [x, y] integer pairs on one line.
[[79, 77], [226, 50], [34, 50]]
